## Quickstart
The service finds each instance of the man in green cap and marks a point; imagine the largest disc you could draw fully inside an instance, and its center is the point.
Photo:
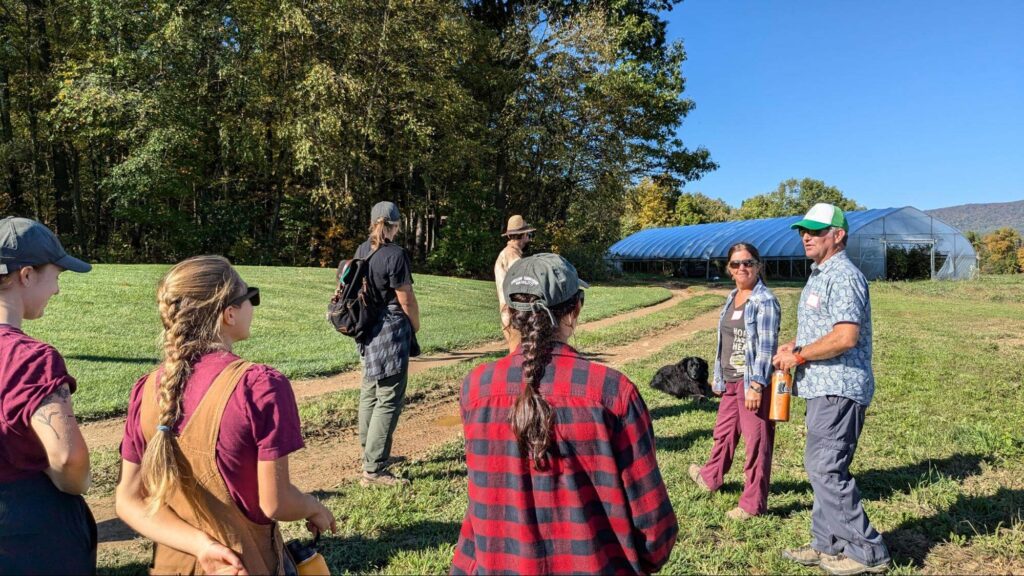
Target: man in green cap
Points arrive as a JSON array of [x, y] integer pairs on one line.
[[832, 357]]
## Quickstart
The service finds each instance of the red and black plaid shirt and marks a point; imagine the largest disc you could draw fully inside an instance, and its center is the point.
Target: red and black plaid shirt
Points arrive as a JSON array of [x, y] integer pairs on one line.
[[600, 507]]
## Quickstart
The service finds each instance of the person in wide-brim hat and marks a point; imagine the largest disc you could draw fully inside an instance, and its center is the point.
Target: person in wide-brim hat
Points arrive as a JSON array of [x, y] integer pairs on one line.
[[516, 226], [519, 234]]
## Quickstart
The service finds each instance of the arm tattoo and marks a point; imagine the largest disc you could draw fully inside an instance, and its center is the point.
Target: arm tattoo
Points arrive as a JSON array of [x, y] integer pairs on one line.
[[46, 419], [45, 413], [60, 395]]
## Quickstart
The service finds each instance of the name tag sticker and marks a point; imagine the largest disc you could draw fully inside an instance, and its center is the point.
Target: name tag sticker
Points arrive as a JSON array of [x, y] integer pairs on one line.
[[737, 314], [813, 301]]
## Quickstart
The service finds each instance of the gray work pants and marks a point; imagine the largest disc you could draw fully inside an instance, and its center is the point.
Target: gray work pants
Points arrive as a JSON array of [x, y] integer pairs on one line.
[[839, 523], [380, 404]]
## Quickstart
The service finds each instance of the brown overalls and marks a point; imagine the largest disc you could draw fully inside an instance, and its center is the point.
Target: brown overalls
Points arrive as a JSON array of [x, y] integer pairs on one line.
[[258, 545]]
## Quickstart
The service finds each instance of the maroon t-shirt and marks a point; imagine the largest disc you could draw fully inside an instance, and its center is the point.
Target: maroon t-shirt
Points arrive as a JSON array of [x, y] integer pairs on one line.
[[260, 423], [30, 371]]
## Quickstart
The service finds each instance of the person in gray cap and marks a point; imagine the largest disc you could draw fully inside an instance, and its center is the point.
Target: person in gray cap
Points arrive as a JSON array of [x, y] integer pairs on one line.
[[45, 527], [519, 235], [385, 355], [560, 450], [832, 357]]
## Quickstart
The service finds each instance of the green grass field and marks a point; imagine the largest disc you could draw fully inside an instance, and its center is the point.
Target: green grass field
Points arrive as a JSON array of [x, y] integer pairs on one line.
[[940, 463], [106, 324]]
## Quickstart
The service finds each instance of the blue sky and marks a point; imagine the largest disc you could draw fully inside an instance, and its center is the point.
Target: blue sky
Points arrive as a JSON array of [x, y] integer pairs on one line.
[[896, 103]]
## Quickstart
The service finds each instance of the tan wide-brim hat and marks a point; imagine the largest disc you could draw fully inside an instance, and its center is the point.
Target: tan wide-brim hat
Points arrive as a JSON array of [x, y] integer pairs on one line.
[[516, 225]]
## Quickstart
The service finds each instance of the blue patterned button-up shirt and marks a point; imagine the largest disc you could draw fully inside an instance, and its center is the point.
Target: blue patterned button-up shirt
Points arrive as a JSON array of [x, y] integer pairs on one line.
[[836, 292]]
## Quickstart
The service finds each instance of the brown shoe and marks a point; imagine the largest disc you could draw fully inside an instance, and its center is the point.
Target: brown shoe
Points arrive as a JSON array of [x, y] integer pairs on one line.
[[843, 565], [739, 514], [697, 478], [381, 479], [805, 555]]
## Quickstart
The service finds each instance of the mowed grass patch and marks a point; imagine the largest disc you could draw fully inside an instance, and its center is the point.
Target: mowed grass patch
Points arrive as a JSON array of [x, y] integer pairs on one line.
[[107, 326]]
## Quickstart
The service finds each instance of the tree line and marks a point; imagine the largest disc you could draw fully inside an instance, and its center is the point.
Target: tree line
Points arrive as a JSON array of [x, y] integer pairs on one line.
[[265, 130], [657, 202], [999, 252]]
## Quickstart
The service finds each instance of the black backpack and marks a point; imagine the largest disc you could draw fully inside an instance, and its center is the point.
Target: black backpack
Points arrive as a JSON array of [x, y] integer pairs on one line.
[[355, 307]]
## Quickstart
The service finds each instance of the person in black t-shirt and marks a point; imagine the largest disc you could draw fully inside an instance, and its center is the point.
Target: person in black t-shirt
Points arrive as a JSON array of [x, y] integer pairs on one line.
[[386, 353]]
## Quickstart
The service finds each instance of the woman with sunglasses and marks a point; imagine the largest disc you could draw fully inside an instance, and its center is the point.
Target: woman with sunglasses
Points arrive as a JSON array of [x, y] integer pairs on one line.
[[748, 336], [204, 469]]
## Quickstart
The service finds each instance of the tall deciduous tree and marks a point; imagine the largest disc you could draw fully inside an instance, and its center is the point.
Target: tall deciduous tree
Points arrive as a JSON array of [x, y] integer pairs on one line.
[[1001, 249], [793, 197], [696, 208], [649, 204]]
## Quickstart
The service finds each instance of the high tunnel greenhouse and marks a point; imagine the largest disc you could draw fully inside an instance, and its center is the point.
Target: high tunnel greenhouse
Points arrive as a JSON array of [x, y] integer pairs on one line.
[[880, 241]]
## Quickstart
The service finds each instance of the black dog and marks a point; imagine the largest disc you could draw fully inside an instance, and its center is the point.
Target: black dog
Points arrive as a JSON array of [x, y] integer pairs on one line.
[[686, 379]]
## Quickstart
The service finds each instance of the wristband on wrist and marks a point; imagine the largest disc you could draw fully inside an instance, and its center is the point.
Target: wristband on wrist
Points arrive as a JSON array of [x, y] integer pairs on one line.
[[800, 360]]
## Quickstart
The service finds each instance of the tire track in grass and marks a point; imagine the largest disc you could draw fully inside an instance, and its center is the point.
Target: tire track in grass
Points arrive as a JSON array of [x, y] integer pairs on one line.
[[107, 433], [422, 428]]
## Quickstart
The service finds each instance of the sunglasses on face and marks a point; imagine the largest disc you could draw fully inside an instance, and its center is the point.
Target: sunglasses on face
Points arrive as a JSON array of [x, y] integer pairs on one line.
[[252, 295], [815, 233], [749, 263]]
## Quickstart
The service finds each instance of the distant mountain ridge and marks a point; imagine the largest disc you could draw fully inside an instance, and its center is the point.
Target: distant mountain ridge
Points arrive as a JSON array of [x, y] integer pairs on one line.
[[982, 218]]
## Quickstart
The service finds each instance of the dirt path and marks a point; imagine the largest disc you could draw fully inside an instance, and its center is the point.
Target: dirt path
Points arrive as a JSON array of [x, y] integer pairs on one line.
[[106, 434], [425, 426]]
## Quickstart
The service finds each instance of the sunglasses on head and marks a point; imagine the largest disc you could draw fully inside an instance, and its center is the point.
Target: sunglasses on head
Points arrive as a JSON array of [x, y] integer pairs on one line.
[[815, 233], [749, 263], [252, 295]]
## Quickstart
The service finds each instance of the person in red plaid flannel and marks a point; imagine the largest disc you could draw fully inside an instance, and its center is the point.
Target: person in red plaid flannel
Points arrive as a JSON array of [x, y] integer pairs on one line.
[[560, 450]]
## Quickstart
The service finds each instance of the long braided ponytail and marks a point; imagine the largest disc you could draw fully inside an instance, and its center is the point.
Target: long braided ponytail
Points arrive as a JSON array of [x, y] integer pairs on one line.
[[532, 418], [191, 297]]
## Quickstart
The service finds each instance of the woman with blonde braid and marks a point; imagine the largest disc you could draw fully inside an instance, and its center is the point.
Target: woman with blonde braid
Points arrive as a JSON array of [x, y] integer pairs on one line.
[[560, 450], [205, 451]]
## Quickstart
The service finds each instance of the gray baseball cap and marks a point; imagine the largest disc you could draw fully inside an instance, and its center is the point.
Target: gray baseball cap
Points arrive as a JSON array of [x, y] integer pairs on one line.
[[25, 242], [550, 277], [386, 210]]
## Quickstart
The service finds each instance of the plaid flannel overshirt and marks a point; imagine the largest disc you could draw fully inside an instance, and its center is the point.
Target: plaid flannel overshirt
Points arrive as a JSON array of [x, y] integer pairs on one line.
[[762, 317], [386, 353], [601, 506]]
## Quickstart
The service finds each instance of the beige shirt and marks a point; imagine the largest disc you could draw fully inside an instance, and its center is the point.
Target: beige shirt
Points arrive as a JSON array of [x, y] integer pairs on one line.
[[508, 255]]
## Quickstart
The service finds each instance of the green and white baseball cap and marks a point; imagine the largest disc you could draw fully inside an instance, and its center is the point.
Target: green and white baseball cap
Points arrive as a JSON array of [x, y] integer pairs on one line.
[[822, 216]]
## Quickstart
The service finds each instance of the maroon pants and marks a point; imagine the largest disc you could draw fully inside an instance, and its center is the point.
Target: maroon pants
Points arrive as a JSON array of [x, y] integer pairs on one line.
[[759, 436]]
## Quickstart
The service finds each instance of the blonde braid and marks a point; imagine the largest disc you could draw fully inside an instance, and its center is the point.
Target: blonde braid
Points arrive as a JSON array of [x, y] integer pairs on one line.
[[191, 298]]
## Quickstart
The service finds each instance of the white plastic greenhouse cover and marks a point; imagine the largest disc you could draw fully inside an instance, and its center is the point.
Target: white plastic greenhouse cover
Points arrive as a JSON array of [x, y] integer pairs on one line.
[[870, 232]]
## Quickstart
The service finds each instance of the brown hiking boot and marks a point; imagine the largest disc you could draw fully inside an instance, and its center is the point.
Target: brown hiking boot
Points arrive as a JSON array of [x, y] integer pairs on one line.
[[384, 478], [806, 556], [697, 478], [843, 565]]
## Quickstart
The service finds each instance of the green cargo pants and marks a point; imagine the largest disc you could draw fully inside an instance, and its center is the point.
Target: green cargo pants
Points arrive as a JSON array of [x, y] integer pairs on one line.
[[380, 403]]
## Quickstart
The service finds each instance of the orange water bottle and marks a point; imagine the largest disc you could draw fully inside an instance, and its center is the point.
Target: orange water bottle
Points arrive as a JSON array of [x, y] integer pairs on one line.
[[782, 391], [308, 561]]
